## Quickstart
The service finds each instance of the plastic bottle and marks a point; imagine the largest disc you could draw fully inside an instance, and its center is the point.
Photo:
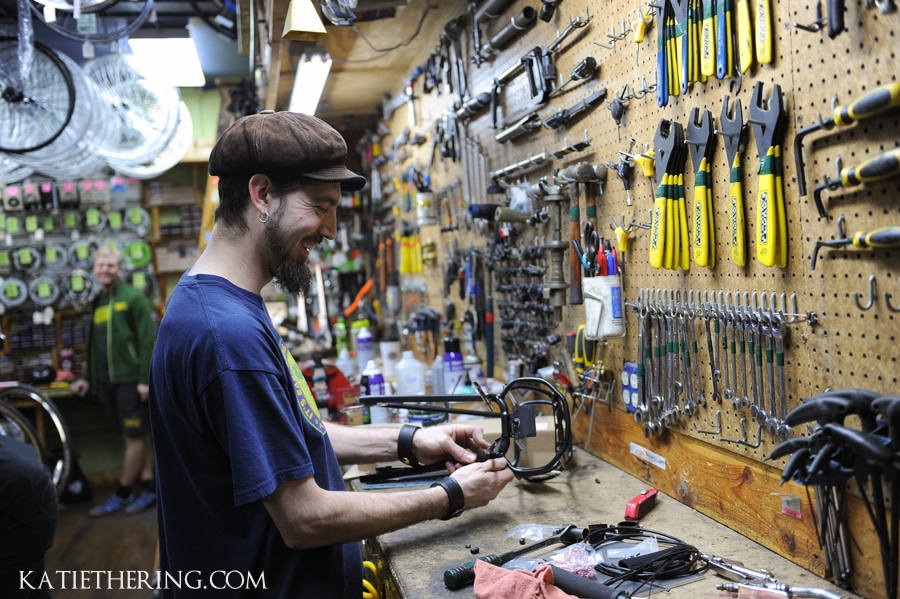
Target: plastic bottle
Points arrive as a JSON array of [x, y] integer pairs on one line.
[[346, 364], [365, 348], [340, 336], [453, 366], [410, 375], [437, 375], [374, 385]]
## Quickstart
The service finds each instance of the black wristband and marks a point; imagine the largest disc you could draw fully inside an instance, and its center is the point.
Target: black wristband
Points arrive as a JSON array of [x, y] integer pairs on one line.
[[455, 494], [405, 445]]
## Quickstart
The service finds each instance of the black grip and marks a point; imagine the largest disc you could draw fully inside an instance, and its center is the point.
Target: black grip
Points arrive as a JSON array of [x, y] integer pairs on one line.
[[585, 588], [835, 20], [460, 576], [888, 237]]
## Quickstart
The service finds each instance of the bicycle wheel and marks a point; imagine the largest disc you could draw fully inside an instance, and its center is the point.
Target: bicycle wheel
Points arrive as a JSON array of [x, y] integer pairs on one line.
[[34, 109], [13, 423], [58, 452], [115, 21], [147, 111]]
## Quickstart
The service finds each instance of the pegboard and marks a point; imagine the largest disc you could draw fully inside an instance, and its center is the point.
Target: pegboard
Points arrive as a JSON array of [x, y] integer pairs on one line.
[[831, 342]]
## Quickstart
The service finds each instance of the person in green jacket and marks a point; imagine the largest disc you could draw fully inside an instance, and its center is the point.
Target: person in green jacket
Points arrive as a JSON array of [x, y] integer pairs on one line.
[[118, 368]]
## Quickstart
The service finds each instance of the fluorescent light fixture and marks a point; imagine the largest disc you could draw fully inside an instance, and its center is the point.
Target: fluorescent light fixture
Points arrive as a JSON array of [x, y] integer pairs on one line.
[[302, 22], [309, 83], [172, 60]]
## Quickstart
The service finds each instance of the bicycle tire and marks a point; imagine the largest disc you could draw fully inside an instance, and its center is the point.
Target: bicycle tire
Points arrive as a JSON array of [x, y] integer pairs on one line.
[[60, 467], [21, 98], [15, 424], [107, 19]]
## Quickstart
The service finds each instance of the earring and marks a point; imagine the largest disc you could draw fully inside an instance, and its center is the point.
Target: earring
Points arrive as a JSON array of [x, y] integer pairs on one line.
[[262, 219]]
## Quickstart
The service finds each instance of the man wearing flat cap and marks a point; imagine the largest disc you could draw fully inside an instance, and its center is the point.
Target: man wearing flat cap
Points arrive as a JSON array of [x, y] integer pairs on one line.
[[249, 477]]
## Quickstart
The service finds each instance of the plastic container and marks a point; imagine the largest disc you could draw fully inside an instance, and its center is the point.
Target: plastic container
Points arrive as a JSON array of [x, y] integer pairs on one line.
[[365, 348], [410, 374], [453, 366], [346, 364], [374, 385]]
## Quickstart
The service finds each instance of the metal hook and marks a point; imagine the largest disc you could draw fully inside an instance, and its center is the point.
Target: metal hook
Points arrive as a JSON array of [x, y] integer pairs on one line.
[[887, 302], [856, 296], [816, 25], [743, 439], [718, 425]]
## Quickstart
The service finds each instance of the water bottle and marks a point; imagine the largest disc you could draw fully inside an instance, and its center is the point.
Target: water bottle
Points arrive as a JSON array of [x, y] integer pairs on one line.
[[365, 348]]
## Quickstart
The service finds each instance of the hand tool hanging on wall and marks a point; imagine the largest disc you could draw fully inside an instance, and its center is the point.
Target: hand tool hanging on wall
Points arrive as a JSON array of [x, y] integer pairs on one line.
[[518, 24], [883, 238], [763, 42], [876, 102], [669, 241], [541, 74], [624, 169], [700, 142], [744, 36], [724, 39], [878, 168], [732, 134], [583, 71], [771, 219], [562, 117], [708, 39], [574, 175], [834, 21]]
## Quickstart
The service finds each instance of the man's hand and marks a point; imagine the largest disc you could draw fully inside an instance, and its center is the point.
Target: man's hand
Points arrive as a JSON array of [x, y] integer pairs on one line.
[[143, 391], [457, 444], [481, 482], [79, 387]]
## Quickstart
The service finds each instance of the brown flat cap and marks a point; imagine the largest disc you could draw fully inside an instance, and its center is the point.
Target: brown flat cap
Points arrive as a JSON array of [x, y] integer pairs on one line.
[[284, 142]]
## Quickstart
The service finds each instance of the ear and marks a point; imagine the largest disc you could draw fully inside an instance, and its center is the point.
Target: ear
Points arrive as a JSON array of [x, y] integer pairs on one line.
[[260, 186]]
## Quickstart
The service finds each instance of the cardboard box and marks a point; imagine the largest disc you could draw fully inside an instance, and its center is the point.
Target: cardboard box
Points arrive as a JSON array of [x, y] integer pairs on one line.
[[533, 451]]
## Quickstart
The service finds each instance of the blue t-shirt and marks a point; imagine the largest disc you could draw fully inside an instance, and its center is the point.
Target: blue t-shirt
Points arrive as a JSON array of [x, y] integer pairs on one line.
[[232, 418]]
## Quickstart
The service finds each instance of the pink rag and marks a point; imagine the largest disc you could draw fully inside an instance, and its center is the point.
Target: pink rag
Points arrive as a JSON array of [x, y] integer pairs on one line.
[[494, 582]]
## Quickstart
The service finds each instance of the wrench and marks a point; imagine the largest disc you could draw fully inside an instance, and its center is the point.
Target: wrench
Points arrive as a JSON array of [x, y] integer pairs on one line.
[[710, 341], [783, 430]]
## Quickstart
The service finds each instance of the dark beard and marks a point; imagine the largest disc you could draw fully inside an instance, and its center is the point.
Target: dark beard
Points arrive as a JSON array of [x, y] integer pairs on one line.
[[290, 277]]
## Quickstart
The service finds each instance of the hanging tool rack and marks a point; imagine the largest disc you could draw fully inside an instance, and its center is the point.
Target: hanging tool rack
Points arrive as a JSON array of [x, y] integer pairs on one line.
[[533, 108]]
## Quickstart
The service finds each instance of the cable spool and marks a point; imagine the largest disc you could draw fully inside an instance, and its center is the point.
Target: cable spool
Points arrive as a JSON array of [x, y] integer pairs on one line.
[[6, 263], [80, 287], [71, 220], [95, 219], [13, 292], [56, 258], [115, 221], [142, 280], [137, 220], [27, 260], [81, 254], [44, 291], [137, 253]]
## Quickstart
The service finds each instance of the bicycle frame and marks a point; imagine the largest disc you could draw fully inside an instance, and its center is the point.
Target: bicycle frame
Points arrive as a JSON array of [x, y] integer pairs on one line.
[[517, 419]]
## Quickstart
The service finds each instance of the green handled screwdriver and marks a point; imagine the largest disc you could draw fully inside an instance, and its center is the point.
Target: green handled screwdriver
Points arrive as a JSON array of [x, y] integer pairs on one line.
[[877, 101], [878, 168]]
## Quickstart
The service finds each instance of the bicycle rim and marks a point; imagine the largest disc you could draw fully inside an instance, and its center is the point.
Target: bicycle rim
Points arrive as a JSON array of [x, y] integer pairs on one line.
[[14, 424], [147, 111], [168, 157], [109, 25], [58, 451], [34, 111]]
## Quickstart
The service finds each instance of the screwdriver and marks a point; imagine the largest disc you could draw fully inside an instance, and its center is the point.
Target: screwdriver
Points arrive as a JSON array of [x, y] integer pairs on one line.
[[562, 116], [884, 238], [583, 70], [875, 102], [878, 168]]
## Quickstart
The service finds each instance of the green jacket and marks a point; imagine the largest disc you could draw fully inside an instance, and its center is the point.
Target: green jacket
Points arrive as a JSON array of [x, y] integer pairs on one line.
[[125, 327]]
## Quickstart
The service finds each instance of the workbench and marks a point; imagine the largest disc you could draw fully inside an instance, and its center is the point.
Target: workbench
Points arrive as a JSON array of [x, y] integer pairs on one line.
[[589, 491]]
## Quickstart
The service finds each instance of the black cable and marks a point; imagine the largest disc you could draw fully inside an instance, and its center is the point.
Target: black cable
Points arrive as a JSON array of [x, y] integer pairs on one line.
[[383, 51], [675, 559]]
